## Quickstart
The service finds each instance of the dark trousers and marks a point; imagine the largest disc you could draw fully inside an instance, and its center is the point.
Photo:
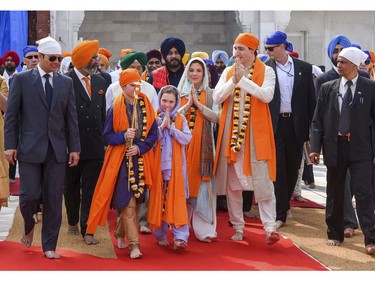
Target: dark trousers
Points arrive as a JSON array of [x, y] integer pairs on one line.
[[308, 173], [80, 182], [247, 201], [45, 178], [288, 163], [12, 170], [361, 173]]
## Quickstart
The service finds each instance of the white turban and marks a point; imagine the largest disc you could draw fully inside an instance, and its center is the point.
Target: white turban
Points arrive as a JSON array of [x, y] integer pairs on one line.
[[49, 46], [354, 55]]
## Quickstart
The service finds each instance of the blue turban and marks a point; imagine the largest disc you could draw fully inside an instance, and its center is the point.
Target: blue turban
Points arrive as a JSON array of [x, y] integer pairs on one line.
[[338, 39], [356, 45], [276, 38], [171, 42], [209, 62], [231, 61], [220, 54], [29, 48], [263, 57]]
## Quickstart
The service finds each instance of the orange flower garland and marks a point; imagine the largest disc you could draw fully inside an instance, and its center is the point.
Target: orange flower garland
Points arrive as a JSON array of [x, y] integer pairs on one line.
[[238, 133], [139, 187], [193, 114]]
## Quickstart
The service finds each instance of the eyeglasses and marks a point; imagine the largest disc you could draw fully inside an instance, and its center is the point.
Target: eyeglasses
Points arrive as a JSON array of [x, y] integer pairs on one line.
[[95, 57], [54, 58], [271, 48], [31, 57], [367, 62]]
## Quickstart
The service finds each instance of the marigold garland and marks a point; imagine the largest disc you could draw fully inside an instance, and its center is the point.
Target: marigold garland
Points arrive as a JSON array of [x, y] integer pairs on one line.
[[139, 187], [193, 114], [239, 132]]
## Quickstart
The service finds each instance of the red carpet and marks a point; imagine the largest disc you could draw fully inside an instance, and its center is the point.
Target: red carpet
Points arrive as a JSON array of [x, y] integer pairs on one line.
[[308, 204], [15, 188], [223, 255]]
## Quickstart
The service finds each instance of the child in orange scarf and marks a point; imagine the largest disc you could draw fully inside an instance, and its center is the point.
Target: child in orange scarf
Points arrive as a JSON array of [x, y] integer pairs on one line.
[[167, 204]]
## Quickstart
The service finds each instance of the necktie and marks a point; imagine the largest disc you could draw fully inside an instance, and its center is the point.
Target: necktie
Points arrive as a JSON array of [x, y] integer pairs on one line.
[[88, 85], [344, 123], [48, 89]]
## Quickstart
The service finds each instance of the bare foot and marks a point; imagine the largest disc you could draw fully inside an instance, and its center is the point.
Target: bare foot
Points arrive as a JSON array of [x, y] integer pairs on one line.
[[237, 236], [272, 237], [332, 242], [28, 239], [51, 255], [163, 243], [206, 240], [179, 245], [121, 244], [135, 254]]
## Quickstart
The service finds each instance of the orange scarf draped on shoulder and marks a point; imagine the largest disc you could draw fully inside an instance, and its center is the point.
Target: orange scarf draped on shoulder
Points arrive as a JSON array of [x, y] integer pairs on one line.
[[113, 158], [175, 203], [262, 129], [193, 155]]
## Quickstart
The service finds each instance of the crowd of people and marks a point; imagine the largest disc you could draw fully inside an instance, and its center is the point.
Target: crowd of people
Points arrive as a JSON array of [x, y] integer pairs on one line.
[[167, 139]]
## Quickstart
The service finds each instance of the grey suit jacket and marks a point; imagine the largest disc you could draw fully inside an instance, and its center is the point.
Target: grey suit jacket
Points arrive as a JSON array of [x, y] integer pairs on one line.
[[30, 125], [324, 128]]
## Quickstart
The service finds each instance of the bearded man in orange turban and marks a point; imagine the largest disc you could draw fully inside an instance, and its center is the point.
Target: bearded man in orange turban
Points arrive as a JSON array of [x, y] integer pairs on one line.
[[89, 89], [245, 151]]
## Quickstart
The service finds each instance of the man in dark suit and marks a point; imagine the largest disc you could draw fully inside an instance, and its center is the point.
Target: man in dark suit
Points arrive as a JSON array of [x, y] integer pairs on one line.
[[80, 181], [341, 126], [40, 127], [291, 109], [335, 46]]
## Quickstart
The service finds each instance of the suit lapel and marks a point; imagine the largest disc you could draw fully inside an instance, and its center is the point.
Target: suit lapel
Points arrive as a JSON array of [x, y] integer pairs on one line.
[[78, 87], [335, 95], [37, 81], [358, 90]]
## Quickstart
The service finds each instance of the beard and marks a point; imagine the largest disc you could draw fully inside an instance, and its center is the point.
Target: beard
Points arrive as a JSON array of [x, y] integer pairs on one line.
[[220, 69], [174, 63], [91, 69], [334, 61], [10, 68]]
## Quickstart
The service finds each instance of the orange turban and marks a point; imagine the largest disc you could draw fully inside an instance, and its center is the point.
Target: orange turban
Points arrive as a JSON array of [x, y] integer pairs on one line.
[[83, 52], [104, 51], [66, 54], [248, 40], [104, 60], [128, 76], [124, 52], [372, 56]]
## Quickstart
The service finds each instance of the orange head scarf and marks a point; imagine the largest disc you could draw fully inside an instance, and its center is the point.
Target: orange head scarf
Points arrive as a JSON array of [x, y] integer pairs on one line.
[[248, 40], [83, 52], [129, 75], [105, 52], [124, 52], [104, 60], [66, 54]]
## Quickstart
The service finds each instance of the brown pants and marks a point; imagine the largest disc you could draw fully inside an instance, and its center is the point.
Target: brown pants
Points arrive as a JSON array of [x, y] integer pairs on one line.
[[130, 223]]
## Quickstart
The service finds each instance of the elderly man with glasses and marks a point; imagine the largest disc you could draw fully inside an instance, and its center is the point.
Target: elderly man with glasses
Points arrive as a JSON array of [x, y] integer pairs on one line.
[[292, 109]]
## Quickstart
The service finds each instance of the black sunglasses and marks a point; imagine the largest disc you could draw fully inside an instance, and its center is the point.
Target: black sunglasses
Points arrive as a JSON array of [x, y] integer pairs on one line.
[[54, 58], [367, 62], [31, 57], [271, 48]]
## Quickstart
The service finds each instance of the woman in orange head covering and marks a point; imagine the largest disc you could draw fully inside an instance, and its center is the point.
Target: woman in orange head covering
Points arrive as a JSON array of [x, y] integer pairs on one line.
[[130, 132]]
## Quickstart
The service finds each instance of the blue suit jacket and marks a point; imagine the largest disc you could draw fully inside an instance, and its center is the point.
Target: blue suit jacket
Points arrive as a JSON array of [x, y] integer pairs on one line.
[[30, 125]]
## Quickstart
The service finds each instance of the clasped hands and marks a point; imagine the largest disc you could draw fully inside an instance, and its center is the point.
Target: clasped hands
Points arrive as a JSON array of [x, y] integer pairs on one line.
[[129, 137]]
